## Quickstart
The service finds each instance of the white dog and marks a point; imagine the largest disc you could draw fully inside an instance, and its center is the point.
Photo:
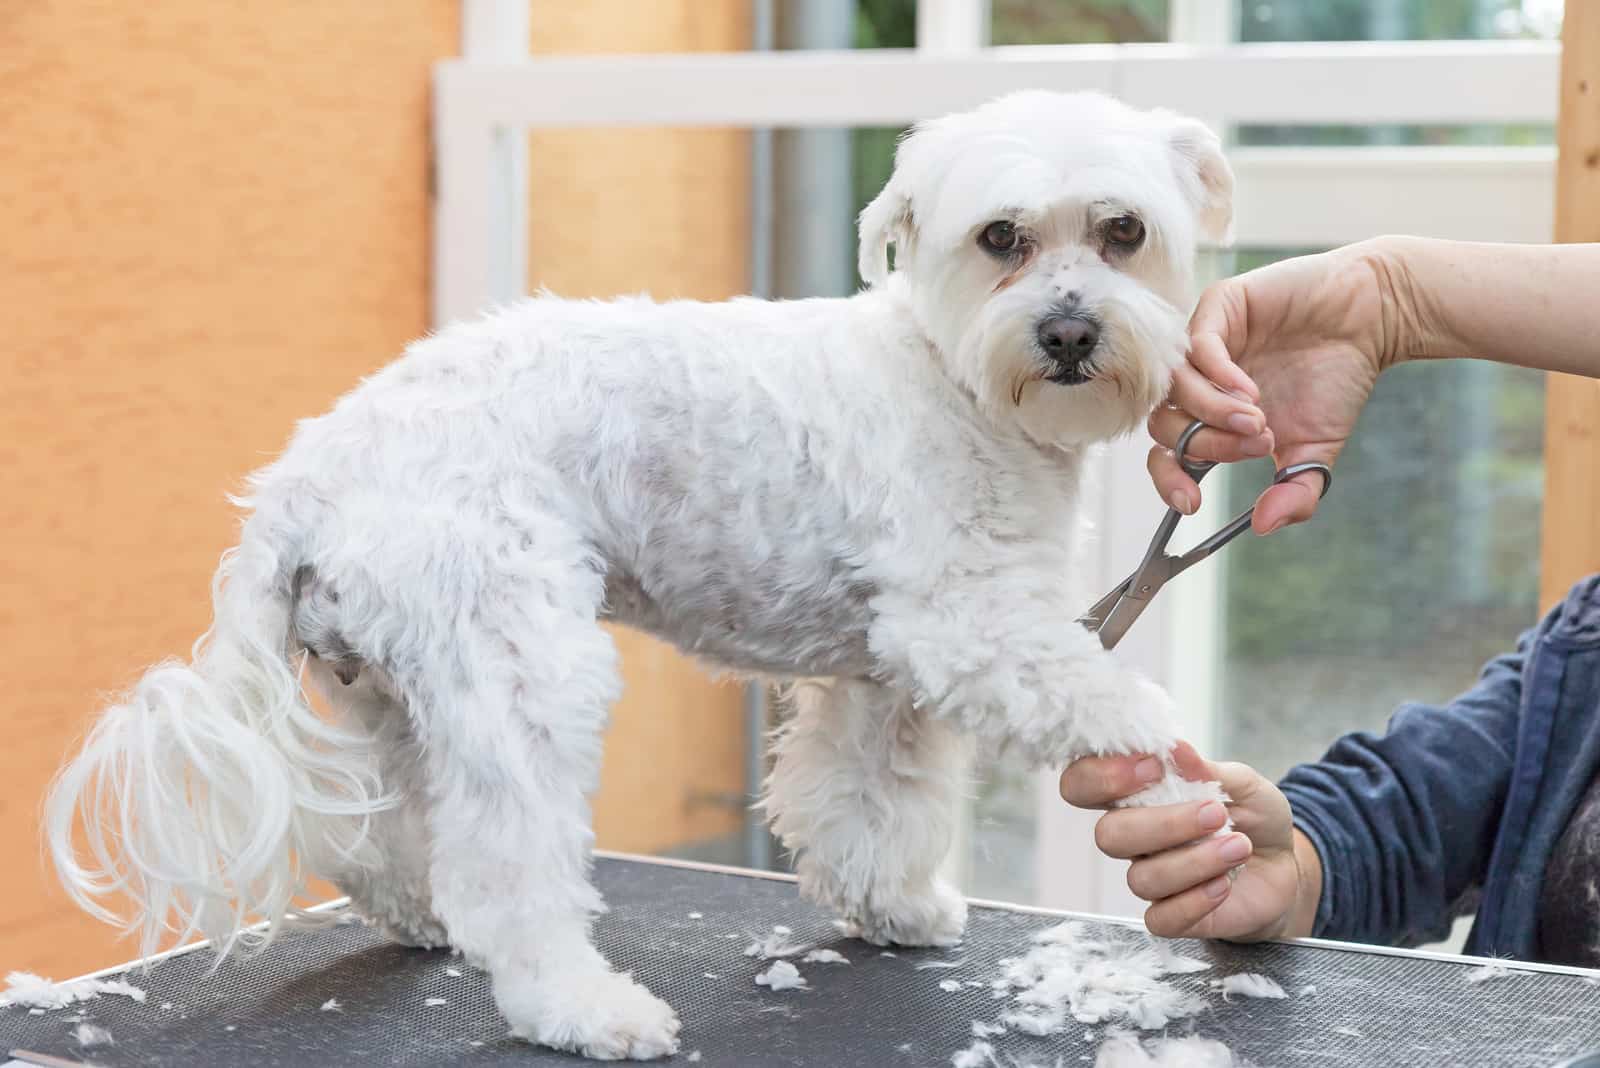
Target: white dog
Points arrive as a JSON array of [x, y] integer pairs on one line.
[[878, 492]]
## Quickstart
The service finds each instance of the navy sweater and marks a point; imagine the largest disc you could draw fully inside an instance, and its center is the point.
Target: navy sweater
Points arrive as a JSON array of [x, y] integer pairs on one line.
[[1459, 806]]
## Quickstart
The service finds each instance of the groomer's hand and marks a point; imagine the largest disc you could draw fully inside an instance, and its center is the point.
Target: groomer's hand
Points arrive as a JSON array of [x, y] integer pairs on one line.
[[1303, 338], [1182, 870]]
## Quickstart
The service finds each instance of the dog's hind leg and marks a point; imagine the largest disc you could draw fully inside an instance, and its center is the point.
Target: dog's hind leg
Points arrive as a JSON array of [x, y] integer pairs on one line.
[[394, 892], [508, 686], [865, 788]]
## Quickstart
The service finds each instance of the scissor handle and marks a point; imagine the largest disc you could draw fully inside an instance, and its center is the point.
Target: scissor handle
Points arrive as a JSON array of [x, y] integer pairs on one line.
[[1114, 613], [1196, 469]]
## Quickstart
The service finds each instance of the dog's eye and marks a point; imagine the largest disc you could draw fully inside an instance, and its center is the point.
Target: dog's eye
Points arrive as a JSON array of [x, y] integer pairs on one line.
[[1125, 231], [1000, 237]]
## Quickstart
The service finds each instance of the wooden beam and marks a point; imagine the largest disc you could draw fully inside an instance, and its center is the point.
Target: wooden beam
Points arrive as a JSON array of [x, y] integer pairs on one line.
[[1571, 541]]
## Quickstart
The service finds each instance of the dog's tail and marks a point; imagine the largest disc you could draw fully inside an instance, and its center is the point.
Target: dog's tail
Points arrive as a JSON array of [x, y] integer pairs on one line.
[[208, 792]]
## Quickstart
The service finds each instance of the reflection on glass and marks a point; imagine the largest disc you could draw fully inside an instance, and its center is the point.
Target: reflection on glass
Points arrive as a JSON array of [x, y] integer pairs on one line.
[[1027, 22], [1397, 20]]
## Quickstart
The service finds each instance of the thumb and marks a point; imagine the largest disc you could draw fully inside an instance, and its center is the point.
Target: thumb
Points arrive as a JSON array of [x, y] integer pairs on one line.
[[1293, 500], [1236, 780]]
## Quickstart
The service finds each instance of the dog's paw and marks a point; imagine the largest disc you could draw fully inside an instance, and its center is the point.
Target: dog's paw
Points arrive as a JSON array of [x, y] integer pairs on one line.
[[415, 932], [936, 916], [604, 1016], [1173, 789]]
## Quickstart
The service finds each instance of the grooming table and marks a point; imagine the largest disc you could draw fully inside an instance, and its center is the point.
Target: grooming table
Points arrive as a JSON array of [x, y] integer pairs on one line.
[[1370, 1007]]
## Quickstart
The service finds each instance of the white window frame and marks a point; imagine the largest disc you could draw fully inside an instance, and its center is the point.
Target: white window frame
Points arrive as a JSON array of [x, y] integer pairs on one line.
[[485, 102]]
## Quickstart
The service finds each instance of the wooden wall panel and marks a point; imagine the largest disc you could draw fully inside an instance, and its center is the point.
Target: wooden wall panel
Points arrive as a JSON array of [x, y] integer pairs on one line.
[[215, 220], [662, 211], [1571, 537]]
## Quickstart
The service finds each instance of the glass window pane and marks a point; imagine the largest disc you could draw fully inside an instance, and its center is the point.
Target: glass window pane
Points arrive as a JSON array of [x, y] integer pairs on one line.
[[1395, 20], [793, 25], [1029, 22], [881, 23]]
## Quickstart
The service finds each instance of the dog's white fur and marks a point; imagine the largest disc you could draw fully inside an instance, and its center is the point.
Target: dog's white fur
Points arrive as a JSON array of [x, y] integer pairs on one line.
[[876, 492]]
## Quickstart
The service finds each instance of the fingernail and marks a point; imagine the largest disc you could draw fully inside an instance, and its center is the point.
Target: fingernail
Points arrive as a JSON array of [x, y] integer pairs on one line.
[[1217, 887], [1274, 528], [1256, 446], [1234, 849], [1180, 501], [1212, 815], [1240, 423], [1147, 770]]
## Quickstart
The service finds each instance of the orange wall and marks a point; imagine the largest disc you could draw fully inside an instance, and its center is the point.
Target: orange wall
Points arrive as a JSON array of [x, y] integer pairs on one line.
[[215, 219]]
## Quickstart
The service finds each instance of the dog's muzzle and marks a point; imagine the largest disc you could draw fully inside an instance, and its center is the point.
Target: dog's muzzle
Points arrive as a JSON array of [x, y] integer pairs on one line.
[[1069, 341]]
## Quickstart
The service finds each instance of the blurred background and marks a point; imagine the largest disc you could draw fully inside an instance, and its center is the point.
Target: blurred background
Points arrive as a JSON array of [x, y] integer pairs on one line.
[[218, 217]]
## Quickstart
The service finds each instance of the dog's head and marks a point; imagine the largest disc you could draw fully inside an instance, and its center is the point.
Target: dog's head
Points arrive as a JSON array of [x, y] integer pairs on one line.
[[1046, 241]]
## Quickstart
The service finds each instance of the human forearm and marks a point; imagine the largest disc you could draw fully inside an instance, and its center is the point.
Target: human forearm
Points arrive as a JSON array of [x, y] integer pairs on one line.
[[1530, 305]]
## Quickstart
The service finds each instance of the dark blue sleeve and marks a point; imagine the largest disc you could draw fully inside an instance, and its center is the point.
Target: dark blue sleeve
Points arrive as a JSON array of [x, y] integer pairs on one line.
[[1405, 823]]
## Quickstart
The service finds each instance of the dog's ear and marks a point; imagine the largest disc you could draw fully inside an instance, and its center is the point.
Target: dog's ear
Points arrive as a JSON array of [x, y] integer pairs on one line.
[[887, 220], [1206, 175]]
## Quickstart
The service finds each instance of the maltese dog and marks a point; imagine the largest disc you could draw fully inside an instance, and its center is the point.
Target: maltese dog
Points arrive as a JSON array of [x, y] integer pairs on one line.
[[875, 495]]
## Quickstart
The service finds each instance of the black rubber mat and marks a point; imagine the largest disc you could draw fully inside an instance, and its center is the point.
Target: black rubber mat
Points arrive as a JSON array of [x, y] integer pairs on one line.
[[879, 1011]]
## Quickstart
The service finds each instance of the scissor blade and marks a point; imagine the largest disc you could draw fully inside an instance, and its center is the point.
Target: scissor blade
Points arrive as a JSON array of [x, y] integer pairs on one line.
[[1126, 610], [1100, 611]]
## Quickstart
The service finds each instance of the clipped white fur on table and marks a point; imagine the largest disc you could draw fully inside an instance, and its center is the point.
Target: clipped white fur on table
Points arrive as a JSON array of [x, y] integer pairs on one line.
[[1250, 985], [1073, 973], [37, 992], [782, 976], [332, 1005], [825, 956], [1489, 972], [775, 945], [89, 1036], [978, 1055], [1122, 1049]]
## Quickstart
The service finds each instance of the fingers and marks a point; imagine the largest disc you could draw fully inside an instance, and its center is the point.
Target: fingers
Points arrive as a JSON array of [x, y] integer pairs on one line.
[[1171, 480], [1166, 425], [1177, 871], [1099, 782], [1209, 387], [1212, 403], [1126, 833], [1177, 915], [1209, 354]]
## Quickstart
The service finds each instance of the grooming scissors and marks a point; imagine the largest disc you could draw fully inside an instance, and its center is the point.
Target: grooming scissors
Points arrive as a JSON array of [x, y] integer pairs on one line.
[[1114, 613]]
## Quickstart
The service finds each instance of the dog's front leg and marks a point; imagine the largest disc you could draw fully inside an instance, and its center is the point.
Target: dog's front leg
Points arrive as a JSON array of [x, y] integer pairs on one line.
[[864, 791], [1014, 668]]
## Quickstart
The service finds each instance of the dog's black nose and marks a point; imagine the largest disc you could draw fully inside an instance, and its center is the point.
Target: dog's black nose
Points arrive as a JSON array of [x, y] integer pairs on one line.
[[1068, 338]]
